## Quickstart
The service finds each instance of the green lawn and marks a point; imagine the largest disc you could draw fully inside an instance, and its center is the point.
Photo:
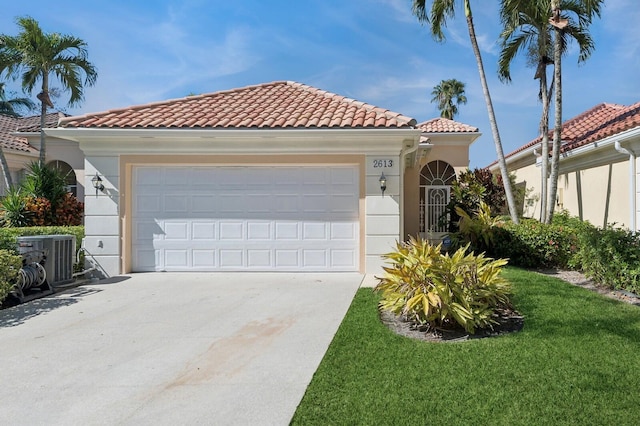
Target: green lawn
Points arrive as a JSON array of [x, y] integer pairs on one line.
[[577, 361]]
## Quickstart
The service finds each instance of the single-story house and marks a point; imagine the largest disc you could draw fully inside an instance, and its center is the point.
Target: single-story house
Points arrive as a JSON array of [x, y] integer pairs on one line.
[[599, 177], [20, 141], [274, 177]]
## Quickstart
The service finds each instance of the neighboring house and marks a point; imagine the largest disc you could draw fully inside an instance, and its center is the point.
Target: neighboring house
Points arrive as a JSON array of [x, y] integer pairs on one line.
[[274, 177], [20, 139], [598, 166]]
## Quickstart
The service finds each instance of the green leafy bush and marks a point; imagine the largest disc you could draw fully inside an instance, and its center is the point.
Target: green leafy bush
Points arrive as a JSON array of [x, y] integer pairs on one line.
[[611, 256], [428, 287], [532, 244], [41, 200], [9, 236], [10, 264]]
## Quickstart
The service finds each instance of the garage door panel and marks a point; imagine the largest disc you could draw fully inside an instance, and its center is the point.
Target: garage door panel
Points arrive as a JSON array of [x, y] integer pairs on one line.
[[343, 231], [232, 231], [259, 231], [287, 231], [314, 259], [314, 231], [302, 218], [232, 258], [203, 203], [176, 203], [177, 231], [148, 204], [176, 258], [204, 259], [203, 230]]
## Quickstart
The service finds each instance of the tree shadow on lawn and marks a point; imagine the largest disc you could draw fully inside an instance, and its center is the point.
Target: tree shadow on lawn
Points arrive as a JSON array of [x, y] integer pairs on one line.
[[19, 314]]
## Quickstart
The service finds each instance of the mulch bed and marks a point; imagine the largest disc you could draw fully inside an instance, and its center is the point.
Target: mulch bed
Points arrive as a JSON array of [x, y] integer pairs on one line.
[[508, 321]]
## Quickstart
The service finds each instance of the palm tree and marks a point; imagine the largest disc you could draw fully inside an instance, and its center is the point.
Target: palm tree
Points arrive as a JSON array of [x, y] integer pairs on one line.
[[440, 11], [526, 29], [35, 56], [11, 106], [582, 11], [445, 93]]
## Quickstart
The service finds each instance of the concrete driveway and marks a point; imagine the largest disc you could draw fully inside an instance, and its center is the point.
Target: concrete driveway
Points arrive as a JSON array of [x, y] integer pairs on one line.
[[168, 348]]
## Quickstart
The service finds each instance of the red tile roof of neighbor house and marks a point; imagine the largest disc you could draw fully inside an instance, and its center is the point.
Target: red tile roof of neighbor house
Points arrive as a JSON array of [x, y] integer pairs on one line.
[[444, 125], [276, 105], [10, 125], [595, 124]]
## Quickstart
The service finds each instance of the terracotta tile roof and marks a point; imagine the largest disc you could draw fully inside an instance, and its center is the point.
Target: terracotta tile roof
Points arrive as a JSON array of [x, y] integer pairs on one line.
[[597, 123], [9, 142], [32, 124], [265, 106], [444, 125]]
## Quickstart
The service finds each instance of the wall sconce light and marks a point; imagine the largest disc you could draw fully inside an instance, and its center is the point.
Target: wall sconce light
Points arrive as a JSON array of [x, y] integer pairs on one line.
[[383, 183], [97, 183]]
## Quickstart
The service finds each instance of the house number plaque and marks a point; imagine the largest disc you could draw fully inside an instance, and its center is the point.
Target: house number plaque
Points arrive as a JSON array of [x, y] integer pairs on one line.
[[382, 164]]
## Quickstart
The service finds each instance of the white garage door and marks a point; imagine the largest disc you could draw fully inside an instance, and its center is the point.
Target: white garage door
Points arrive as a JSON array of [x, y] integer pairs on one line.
[[245, 218]]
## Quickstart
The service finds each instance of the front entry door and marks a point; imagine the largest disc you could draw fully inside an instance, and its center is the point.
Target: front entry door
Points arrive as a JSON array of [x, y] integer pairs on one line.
[[433, 208]]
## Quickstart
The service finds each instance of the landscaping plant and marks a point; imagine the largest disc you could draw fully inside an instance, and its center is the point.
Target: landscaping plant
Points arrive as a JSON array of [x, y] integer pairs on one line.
[[441, 290], [477, 231], [611, 256], [41, 200], [10, 264]]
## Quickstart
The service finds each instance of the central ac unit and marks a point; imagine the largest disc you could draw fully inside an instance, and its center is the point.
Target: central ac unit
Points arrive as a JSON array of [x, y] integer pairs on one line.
[[60, 251]]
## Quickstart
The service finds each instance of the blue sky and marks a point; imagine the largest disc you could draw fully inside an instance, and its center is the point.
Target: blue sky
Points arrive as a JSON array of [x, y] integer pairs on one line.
[[374, 51]]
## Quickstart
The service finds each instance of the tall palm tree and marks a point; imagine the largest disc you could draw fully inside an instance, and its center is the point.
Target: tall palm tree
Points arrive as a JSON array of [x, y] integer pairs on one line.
[[526, 29], [444, 95], [562, 14], [35, 56], [440, 11]]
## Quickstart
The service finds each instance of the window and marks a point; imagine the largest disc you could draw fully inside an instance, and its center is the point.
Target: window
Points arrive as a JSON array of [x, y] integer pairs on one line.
[[435, 192], [66, 170]]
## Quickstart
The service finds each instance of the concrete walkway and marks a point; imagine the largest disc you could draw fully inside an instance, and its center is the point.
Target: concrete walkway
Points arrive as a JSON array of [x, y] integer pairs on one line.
[[167, 348]]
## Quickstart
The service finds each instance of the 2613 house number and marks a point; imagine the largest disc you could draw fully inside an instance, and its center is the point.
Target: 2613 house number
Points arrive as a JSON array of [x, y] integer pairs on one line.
[[377, 164]]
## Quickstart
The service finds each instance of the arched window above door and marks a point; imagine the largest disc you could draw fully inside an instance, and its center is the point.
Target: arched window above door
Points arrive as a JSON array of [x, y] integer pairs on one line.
[[70, 175], [437, 173]]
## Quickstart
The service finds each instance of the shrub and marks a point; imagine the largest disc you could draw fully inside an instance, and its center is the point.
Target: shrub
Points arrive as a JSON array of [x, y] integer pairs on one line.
[[14, 209], [611, 256], [10, 264], [477, 231], [427, 287], [532, 244], [9, 236], [41, 200]]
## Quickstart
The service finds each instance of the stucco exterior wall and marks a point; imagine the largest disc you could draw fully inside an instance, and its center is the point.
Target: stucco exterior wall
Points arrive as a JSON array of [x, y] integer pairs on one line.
[[382, 217], [598, 194], [102, 214]]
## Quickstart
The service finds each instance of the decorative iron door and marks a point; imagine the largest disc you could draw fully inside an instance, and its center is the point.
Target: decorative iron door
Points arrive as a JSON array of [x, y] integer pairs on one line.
[[433, 208]]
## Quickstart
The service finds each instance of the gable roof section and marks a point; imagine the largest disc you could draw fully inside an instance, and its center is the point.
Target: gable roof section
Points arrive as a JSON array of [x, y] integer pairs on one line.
[[10, 125], [276, 105], [444, 125], [595, 124]]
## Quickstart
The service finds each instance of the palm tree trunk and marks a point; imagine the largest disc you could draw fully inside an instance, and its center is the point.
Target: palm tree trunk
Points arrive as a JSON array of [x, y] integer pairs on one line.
[[544, 131], [557, 127], [43, 117], [492, 118]]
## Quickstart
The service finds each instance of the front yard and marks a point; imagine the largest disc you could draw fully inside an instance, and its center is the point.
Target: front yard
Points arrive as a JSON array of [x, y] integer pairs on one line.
[[577, 361]]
